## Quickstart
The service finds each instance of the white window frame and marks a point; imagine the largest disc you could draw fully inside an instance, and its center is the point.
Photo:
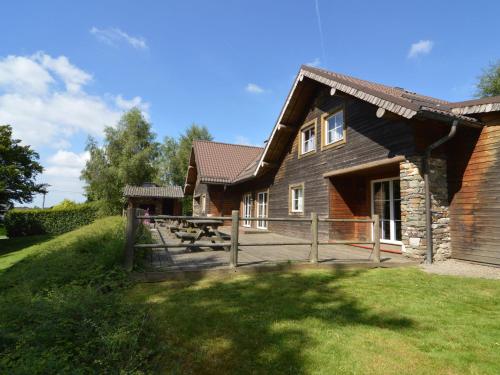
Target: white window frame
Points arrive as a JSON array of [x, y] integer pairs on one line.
[[262, 208], [329, 130], [392, 221], [203, 204], [247, 209], [295, 198], [312, 140]]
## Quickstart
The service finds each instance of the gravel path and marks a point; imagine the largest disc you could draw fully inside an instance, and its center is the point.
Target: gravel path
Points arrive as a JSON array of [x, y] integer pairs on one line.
[[461, 268]]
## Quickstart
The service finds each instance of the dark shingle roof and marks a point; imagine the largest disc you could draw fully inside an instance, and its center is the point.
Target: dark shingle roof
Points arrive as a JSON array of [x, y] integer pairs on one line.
[[223, 162], [171, 191], [394, 99]]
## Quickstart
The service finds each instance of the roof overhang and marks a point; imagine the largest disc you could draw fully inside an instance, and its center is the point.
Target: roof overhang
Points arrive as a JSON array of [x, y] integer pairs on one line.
[[398, 106]]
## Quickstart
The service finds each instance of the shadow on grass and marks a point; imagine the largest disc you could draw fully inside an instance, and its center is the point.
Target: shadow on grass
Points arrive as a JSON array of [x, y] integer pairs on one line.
[[263, 323], [9, 245]]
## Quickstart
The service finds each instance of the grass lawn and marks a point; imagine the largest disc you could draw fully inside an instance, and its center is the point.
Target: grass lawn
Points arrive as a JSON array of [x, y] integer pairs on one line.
[[12, 250], [385, 321], [66, 307]]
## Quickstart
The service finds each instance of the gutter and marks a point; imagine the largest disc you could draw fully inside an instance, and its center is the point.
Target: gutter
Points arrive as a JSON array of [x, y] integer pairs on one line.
[[428, 198]]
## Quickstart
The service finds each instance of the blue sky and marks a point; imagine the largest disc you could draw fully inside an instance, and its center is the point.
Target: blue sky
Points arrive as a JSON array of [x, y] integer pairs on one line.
[[67, 69]]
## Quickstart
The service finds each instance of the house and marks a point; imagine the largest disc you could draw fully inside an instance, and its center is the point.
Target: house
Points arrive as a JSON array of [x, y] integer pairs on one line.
[[349, 148], [159, 200]]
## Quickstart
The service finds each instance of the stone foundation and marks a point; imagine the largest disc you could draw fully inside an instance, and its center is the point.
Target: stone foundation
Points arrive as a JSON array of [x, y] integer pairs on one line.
[[413, 208]]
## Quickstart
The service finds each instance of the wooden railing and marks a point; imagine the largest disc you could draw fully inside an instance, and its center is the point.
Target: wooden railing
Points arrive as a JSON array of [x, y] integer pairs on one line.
[[133, 218]]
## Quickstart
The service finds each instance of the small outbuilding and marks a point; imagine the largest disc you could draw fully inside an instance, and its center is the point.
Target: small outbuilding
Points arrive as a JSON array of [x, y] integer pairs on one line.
[[158, 200]]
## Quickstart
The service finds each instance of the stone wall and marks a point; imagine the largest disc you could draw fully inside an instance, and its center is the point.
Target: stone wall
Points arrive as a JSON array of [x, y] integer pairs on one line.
[[413, 208]]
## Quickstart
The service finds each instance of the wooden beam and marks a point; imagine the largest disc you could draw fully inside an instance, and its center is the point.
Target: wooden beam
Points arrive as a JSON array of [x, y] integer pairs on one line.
[[380, 112], [282, 127], [266, 164], [372, 164]]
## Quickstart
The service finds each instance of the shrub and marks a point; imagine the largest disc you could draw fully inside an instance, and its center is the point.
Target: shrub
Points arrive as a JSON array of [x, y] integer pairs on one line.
[[66, 203], [51, 221], [64, 310]]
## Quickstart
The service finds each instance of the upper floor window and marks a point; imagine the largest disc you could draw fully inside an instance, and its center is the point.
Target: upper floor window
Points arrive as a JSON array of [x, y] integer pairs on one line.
[[334, 128], [297, 198], [308, 139]]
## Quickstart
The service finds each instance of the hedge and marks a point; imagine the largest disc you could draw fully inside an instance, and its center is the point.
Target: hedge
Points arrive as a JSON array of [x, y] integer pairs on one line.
[[49, 221]]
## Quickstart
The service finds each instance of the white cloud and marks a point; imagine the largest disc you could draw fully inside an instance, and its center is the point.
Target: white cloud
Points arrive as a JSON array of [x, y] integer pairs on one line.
[[315, 63], [135, 102], [73, 77], [69, 159], [23, 74], [422, 47], [242, 140], [114, 35], [254, 88], [44, 100]]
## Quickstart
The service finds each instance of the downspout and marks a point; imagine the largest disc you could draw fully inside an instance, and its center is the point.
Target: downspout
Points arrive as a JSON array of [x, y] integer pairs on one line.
[[428, 198]]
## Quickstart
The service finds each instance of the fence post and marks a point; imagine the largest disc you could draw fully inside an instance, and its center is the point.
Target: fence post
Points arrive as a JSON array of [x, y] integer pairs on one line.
[[128, 260], [314, 237], [376, 238], [235, 226]]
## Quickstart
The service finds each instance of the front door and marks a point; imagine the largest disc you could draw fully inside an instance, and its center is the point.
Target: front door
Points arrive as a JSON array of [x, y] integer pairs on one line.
[[247, 209], [262, 209], [386, 202]]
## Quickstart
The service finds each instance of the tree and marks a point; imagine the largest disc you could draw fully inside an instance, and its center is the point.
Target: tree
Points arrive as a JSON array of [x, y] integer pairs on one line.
[[174, 159], [489, 81], [127, 157], [19, 168], [64, 204], [174, 155]]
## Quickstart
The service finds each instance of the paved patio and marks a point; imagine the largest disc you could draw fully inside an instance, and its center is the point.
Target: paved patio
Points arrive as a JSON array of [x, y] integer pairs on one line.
[[180, 258]]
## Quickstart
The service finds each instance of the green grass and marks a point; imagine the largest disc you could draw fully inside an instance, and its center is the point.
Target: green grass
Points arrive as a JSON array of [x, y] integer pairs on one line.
[[62, 306], [12, 250], [67, 307], [385, 321]]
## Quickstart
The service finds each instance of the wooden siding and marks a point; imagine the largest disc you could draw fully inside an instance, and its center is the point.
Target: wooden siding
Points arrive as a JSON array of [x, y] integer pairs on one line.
[[474, 180], [368, 138]]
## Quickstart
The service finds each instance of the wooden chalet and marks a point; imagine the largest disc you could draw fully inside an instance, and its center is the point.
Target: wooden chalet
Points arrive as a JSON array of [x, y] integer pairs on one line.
[[349, 148], [158, 200]]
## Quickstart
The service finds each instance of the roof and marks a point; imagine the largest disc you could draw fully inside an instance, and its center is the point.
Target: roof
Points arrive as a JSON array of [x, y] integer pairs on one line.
[[215, 162], [172, 191], [221, 163], [483, 105], [392, 99]]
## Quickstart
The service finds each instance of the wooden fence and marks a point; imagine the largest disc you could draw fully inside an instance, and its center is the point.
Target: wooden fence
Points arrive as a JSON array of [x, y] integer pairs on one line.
[[134, 217]]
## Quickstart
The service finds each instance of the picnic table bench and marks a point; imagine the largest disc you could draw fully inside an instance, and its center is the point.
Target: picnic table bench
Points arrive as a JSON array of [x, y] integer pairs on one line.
[[202, 229]]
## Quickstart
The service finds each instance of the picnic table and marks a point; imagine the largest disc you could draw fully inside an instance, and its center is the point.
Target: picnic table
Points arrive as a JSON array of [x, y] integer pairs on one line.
[[202, 229]]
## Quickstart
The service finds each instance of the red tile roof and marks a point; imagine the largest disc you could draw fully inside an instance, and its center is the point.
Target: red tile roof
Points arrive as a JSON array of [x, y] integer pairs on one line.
[[218, 162]]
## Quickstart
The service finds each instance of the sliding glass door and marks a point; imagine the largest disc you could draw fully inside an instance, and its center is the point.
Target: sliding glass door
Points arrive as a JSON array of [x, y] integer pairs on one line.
[[386, 202]]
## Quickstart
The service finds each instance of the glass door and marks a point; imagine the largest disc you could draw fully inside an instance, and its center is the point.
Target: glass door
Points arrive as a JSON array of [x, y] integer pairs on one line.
[[386, 202], [262, 209], [247, 209]]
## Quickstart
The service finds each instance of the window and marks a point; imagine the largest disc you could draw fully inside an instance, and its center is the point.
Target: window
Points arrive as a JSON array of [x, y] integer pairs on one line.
[[386, 202], [203, 204], [247, 209], [334, 128], [262, 209], [308, 140], [297, 198]]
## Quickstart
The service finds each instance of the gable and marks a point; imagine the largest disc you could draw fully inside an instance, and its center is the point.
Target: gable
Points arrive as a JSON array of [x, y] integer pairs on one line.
[[388, 99]]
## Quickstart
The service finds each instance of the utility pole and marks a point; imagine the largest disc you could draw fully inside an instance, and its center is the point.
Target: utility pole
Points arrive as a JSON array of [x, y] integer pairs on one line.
[[45, 191]]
